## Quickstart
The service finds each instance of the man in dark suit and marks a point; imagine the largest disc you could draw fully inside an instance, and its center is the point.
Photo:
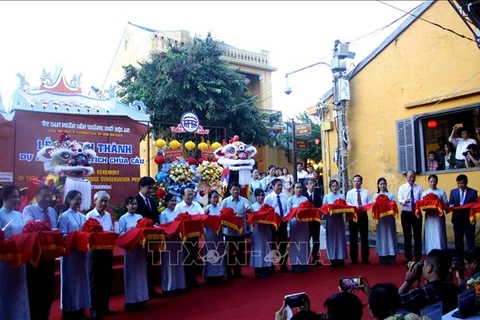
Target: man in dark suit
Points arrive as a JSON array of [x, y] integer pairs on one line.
[[314, 226], [461, 218], [148, 209]]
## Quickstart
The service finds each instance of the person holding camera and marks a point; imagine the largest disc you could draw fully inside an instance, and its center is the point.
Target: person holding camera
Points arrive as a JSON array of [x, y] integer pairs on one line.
[[472, 264], [461, 144], [435, 271], [471, 156]]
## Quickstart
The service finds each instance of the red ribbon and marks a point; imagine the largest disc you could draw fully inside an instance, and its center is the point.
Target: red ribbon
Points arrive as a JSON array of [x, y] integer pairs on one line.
[[145, 223], [9, 252], [382, 207], [87, 241], [228, 218], [341, 206], [92, 225], [184, 226]]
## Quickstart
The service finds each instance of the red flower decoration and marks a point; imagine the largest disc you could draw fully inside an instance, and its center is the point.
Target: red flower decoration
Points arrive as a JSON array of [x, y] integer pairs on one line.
[[200, 161], [92, 225], [227, 211], [266, 208], [36, 226], [145, 223], [382, 198], [340, 201], [183, 216], [191, 161]]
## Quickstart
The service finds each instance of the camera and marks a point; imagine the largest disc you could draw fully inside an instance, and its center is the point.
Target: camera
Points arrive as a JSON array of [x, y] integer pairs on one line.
[[297, 300], [457, 265], [418, 265], [347, 284]]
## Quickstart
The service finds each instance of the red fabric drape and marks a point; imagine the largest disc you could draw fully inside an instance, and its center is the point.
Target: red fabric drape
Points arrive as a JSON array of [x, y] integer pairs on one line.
[[265, 215], [87, 241], [382, 207], [135, 236], [33, 245], [9, 252], [341, 206], [228, 218], [431, 202], [305, 212], [184, 226]]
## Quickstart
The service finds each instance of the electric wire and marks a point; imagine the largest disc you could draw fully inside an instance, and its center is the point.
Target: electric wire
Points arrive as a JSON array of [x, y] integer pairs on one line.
[[430, 22]]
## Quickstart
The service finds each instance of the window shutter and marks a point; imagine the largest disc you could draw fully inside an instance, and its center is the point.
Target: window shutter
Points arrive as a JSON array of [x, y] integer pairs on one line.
[[406, 145]]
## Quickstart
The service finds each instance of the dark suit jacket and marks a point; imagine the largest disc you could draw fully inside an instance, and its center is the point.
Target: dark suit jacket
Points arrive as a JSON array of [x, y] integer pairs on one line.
[[462, 216], [145, 212], [317, 199]]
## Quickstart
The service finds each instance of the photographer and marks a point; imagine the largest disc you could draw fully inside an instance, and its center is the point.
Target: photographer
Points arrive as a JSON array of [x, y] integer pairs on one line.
[[472, 264], [435, 270], [471, 156]]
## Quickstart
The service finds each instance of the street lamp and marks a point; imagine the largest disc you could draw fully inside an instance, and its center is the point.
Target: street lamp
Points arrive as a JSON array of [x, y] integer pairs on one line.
[[341, 94]]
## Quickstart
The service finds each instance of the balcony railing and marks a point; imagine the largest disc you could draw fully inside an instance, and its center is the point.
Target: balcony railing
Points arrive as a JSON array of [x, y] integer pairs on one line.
[[246, 56], [274, 119]]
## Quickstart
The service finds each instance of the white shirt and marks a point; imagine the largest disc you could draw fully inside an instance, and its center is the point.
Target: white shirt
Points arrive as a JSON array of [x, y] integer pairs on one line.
[[461, 146], [194, 208], [34, 212], [271, 200], [105, 220], [352, 199], [302, 174], [404, 194]]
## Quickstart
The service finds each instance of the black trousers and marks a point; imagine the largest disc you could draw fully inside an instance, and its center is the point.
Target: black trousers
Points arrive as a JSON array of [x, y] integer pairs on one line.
[[353, 228], [191, 249], [411, 222], [314, 233], [236, 256], [281, 238], [40, 285], [153, 264], [100, 272], [463, 229]]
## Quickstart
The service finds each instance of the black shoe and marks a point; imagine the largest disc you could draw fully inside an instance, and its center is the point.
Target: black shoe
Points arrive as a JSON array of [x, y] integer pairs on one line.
[[366, 262], [284, 269], [353, 262]]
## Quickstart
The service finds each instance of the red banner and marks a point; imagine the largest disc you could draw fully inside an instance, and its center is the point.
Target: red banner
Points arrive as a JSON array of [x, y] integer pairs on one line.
[[116, 140], [173, 153]]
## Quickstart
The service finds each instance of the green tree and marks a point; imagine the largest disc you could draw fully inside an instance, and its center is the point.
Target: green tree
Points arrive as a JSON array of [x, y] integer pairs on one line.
[[314, 151], [192, 77]]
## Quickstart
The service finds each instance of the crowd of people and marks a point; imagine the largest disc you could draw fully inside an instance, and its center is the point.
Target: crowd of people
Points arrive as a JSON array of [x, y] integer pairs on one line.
[[86, 278], [457, 152]]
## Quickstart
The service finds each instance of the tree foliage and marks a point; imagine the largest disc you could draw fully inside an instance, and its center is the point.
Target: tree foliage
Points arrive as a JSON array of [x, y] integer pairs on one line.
[[192, 77], [314, 151]]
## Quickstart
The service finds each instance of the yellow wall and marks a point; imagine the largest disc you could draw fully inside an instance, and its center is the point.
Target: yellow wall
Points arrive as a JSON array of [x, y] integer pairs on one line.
[[422, 65]]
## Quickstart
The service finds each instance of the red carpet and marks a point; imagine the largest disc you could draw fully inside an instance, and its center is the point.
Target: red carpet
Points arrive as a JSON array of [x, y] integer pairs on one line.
[[251, 298]]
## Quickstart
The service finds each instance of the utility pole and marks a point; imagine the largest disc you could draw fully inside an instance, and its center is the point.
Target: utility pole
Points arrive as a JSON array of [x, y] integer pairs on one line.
[[341, 94], [294, 148]]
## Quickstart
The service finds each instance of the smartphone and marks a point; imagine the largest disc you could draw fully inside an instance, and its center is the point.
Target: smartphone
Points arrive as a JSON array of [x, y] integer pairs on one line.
[[346, 284], [297, 300]]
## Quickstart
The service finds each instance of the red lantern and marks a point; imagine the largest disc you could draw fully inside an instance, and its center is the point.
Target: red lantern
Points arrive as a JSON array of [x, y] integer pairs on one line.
[[160, 193], [200, 161], [159, 160], [432, 124], [191, 161]]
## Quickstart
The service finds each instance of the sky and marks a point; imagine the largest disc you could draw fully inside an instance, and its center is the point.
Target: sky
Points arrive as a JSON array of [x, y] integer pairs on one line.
[[82, 36]]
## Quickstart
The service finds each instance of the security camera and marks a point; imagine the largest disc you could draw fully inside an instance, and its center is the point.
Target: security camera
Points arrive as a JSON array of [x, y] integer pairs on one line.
[[288, 90]]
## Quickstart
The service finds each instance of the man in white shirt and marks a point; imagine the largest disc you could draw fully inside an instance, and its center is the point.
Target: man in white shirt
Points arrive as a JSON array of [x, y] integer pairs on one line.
[[278, 201], [301, 174], [358, 197], [236, 241], [461, 144], [100, 264], [41, 280], [408, 194], [191, 245]]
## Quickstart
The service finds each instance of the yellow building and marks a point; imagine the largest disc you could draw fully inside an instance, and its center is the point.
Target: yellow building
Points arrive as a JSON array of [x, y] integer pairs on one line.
[[138, 42], [411, 90]]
